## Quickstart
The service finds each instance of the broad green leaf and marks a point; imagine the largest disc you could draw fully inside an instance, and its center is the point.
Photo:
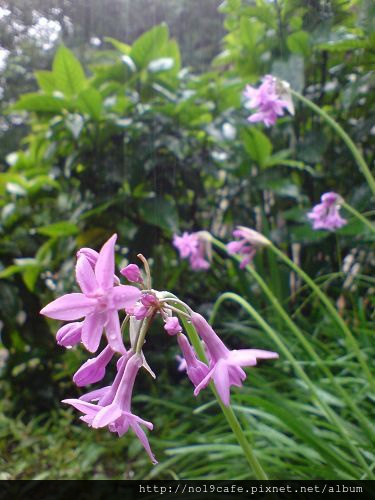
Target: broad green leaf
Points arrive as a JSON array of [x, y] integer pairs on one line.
[[148, 46], [257, 145], [298, 42], [122, 47], [19, 265], [161, 64], [291, 71], [46, 81], [30, 277], [39, 103], [90, 102], [58, 229], [160, 212], [68, 72]]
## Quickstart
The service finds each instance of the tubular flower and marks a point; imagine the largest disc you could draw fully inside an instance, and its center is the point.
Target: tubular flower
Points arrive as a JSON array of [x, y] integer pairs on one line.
[[99, 301], [326, 214], [225, 365], [196, 247], [246, 245], [116, 413], [195, 369], [269, 100], [93, 370], [132, 273], [70, 334]]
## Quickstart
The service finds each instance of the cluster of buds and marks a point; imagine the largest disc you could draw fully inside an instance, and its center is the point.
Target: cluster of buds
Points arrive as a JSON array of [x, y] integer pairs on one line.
[[101, 302]]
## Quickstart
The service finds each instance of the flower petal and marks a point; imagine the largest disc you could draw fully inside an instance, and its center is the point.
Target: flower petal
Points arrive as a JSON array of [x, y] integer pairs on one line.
[[248, 357], [124, 296], [85, 275], [69, 307], [221, 379], [143, 439], [113, 332], [92, 330], [96, 394], [105, 265], [106, 416], [83, 406]]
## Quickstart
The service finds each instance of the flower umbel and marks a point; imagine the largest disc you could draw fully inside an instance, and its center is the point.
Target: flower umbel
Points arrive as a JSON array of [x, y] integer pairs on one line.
[[269, 100], [103, 299], [196, 247], [326, 214], [246, 244]]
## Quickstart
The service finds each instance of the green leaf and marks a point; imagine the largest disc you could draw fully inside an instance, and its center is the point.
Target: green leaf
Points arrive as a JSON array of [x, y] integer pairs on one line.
[[257, 145], [68, 72], [90, 102], [20, 265], [58, 229], [160, 212], [161, 64], [39, 103], [46, 81], [124, 48], [148, 46], [291, 70], [298, 42]]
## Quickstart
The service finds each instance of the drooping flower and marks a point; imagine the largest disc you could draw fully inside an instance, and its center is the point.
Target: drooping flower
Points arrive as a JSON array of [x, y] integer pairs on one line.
[[269, 99], [196, 247], [196, 370], [326, 214], [172, 325], [132, 273], [70, 334], [247, 244], [116, 413], [99, 301], [225, 365], [93, 370]]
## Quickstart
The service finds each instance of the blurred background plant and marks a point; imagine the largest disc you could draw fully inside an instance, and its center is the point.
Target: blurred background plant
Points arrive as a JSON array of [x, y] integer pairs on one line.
[[129, 118]]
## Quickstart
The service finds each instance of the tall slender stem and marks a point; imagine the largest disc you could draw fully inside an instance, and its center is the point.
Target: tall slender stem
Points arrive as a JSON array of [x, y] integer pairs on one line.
[[227, 410], [299, 370], [344, 136], [306, 344], [334, 314], [358, 215]]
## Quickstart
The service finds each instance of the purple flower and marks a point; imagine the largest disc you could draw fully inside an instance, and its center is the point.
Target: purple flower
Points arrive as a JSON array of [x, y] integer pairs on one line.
[[114, 412], [196, 247], [196, 370], [182, 366], [99, 301], [132, 273], [93, 370], [70, 334], [172, 325], [267, 100], [326, 214], [246, 245], [225, 365]]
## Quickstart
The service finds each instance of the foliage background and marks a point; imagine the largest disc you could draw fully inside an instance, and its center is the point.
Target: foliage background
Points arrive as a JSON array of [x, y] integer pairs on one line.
[[130, 119]]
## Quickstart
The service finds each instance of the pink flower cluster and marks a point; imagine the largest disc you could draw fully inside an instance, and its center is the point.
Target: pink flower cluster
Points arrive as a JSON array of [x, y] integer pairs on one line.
[[267, 101], [98, 305], [195, 247], [326, 214]]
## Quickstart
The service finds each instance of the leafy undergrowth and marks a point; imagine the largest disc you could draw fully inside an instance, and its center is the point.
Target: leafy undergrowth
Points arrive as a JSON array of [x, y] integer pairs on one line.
[[191, 439]]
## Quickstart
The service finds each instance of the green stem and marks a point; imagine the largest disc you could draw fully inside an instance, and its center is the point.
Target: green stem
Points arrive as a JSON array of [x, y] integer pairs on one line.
[[227, 410], [359, 216], [344, 136], [302, 374], [326, 301], [306, 344]]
